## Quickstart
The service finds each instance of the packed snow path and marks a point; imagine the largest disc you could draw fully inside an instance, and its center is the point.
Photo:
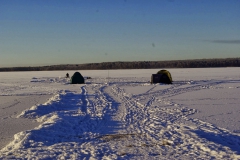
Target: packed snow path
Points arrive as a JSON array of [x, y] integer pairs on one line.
[[103, 119]]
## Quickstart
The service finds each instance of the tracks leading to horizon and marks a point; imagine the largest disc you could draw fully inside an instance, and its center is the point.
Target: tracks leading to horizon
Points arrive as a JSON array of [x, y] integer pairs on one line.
[[108, 119]]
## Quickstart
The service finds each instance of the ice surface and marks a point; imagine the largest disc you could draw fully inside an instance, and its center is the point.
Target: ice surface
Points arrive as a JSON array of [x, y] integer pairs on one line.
[[118, 114]]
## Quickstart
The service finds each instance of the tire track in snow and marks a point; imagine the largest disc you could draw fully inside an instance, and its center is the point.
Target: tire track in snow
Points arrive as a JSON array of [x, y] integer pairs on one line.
[[106, 122], [169, 123], [176, 88]]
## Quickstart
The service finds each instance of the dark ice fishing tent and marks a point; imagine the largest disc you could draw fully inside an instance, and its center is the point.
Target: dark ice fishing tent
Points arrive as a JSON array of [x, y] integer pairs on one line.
[[162, 76], [77, 78]]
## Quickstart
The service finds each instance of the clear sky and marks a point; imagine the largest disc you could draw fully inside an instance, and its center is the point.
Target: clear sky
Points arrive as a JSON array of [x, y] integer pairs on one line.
[[46, 32]]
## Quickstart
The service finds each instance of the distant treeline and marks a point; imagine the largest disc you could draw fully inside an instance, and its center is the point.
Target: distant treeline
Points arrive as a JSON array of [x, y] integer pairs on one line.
[[197, 63]]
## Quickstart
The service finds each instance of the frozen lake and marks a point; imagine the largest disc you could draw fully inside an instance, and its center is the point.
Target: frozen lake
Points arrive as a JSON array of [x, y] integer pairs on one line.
[[118, 114]]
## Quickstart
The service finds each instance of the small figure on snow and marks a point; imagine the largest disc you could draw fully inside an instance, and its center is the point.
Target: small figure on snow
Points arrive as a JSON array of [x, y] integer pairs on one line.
[[67, 75]]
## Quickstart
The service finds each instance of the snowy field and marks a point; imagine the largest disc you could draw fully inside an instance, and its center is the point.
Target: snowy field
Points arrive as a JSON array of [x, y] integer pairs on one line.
[[118, 114]]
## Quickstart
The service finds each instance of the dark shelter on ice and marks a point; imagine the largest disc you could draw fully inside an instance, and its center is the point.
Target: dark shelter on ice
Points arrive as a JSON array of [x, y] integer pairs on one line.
[[162, 76], [77, 78]]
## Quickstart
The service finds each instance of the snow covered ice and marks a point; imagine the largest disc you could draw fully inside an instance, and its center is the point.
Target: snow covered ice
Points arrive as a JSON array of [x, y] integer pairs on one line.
[[122, 116]]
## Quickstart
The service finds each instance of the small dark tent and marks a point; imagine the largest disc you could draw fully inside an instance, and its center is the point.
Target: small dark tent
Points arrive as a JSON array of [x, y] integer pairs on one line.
[[77, 78], [162, 76]]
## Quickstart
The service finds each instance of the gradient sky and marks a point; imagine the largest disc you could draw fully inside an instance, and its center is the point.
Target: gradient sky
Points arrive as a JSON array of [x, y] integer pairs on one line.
[[47, 32]]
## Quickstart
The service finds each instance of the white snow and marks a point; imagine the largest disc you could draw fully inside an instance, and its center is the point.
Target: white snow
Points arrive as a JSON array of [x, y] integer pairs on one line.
[[118, 114]]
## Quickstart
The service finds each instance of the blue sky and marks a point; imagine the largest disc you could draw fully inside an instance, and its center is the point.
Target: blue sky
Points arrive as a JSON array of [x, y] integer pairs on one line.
[[46, 32]]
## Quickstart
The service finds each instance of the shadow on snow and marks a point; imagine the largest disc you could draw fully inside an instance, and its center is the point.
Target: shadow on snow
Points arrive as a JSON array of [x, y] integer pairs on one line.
[[224, 139], [75, 120]]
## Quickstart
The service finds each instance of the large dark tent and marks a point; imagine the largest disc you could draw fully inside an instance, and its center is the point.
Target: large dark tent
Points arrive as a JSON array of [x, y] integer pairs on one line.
[[77, 78], [162, 76]]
